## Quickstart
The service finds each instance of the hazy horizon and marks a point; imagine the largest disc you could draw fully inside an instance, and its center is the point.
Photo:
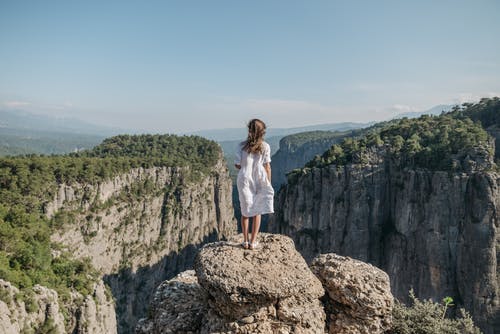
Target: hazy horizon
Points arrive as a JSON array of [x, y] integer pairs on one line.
[[139, 130], [177, 67]]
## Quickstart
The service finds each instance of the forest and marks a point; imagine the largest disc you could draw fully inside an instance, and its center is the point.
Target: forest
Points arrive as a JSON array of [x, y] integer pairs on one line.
[[431, 142]]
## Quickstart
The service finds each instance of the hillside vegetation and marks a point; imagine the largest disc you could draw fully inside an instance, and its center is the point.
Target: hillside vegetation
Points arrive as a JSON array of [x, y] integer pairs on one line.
[[486, 111], [296, 140], [27, 183], [433, 142]]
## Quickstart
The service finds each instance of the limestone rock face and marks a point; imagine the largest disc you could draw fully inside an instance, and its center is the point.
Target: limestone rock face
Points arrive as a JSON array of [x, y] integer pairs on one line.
[[269, 290], [359, 295], [116, 228], [92, 315], [436, 232], [97, 313], [142, 227]]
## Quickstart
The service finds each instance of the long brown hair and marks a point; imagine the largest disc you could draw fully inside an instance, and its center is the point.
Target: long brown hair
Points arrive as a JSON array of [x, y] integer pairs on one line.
[[256, 131]]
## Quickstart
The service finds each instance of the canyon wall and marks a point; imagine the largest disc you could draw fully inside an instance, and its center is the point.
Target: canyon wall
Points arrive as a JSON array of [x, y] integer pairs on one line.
[[142, 227], [436, 232]]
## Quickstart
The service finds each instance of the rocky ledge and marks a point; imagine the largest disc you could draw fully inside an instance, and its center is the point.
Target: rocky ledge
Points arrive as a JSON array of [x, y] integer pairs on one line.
[[44, 312], [270, 290]]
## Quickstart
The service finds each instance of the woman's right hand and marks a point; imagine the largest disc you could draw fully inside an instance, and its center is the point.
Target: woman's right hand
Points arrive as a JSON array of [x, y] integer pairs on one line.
[[267, 168]]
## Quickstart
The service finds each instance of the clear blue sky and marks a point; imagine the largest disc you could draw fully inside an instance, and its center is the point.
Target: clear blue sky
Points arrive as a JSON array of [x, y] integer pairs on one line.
[[173, 66]]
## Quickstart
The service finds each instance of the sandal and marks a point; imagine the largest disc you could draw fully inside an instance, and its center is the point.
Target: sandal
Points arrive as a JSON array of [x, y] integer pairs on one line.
[[245, 244], [254, 245]]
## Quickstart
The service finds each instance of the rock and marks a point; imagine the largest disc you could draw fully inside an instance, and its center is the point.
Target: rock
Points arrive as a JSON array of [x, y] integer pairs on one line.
[[94, 316], [18, 313], [273, 286], [178, 306], [360, 292], [269, 290], [248, 320], [97, 314]]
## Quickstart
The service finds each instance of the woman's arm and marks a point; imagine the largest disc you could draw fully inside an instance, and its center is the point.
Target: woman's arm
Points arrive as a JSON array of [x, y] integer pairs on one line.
[[267, 167]]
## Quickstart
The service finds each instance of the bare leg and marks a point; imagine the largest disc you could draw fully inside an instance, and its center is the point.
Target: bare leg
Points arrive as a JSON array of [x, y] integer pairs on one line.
[[244, 228], [255, 228]]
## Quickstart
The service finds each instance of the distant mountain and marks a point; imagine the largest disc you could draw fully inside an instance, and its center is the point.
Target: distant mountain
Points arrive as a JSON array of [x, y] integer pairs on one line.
[[19, 142], [23, 120], [22, 132], [231, 134], [437, 110]]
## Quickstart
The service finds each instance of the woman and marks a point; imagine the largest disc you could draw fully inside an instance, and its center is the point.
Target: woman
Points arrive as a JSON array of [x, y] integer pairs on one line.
[[256, 194]]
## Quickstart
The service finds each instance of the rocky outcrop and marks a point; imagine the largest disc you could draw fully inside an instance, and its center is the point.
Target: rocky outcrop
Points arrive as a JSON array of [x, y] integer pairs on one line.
[[96, 315], [142, 227], [436, 232], [42, 310], [360, 299], [494, 131], [270, 290]]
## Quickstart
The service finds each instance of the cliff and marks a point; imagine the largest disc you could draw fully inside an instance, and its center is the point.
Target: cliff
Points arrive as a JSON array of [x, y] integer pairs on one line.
[[130, 212], [42, 311], [434, 231], [297, 149], [270, 290], [142, 227]]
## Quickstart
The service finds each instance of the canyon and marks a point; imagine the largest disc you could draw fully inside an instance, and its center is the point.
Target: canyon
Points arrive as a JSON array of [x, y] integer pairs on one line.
[[137, 228]]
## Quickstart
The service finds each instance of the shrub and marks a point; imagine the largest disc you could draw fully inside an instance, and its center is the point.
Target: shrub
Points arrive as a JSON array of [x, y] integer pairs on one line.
[[48, 327], [28, 297], [428, 317], [5, 296]]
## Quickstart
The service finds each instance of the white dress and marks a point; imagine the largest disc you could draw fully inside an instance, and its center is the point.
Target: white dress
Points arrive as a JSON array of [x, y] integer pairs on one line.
[[255, 192]]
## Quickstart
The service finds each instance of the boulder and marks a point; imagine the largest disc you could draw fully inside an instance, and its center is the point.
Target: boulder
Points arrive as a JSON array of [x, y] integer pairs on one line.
[[178, 306], [268, 290], [359, 295]]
